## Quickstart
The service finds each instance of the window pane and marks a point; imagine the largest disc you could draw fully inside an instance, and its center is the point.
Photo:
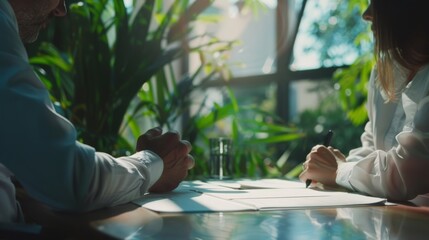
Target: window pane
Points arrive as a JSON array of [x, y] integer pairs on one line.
[[327, 35], [307, 94], [252, 26], [248, 98]]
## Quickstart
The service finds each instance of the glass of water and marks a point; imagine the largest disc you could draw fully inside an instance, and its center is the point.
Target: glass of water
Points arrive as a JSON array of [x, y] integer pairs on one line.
[[221, 158]]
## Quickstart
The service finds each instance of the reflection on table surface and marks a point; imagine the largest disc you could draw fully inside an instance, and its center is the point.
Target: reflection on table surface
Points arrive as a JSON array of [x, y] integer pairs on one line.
[[402, 221], [376, 222]]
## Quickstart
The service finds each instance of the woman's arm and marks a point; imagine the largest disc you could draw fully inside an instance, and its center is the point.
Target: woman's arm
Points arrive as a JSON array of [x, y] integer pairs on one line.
[[400, 173]]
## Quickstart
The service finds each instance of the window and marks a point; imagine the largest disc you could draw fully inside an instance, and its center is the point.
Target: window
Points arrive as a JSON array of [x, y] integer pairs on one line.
[[286, 49], [253, 29], [325, 36]]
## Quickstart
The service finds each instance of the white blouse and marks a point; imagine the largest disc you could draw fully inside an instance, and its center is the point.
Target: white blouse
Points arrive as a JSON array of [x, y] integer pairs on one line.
[[393, 161], [38, 147]]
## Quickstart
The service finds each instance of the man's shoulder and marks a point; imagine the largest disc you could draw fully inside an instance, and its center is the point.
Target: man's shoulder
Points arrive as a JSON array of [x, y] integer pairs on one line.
[[6, 10], [7, 18], [12, 44]]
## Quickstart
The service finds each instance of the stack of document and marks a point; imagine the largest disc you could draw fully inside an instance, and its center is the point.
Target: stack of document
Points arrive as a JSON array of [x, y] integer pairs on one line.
[[249, 195]]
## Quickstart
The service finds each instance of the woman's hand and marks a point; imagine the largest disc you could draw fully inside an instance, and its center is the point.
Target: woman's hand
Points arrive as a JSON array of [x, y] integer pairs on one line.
[[321, 165]]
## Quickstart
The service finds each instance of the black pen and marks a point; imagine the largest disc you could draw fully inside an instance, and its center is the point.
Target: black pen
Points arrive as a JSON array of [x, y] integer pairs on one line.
[[326, 143]]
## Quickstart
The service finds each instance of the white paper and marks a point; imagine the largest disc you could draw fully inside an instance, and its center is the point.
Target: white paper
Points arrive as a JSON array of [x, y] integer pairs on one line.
[[198, 196], [191, 202], [258, 184], [270, 183], [338, 200], [271, 193]]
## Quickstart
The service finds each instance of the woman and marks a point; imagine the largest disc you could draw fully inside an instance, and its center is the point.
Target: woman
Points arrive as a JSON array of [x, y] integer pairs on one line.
[[393, 161]]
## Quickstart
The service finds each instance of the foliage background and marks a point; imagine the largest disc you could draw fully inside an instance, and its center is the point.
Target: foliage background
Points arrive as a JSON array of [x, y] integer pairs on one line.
[[343, 102], [163, 97]]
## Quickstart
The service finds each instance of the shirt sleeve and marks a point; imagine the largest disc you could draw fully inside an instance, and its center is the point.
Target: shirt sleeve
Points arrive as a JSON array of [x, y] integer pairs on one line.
[[121, 180], [39, 146], [344, 171], [399, 173]]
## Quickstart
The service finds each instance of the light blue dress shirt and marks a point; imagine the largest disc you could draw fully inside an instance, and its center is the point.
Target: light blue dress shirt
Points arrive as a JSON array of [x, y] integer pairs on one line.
[[39, 147]]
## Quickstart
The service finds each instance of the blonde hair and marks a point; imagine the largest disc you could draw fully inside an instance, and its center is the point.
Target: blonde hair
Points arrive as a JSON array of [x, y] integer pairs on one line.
[[402, 37]]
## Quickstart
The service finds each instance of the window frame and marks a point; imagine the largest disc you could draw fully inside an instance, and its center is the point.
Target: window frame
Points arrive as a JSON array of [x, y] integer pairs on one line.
[[284, 76]]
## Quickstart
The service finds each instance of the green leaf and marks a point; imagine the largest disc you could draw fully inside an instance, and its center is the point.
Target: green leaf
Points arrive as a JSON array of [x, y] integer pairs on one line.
[[278, 138]]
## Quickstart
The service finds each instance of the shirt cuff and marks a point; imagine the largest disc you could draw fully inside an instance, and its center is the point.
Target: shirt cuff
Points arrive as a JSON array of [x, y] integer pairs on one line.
[[344, 172], [153, 163]]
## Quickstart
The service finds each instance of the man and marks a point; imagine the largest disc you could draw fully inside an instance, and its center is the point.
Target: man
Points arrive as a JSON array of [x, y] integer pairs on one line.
[[38, 147]]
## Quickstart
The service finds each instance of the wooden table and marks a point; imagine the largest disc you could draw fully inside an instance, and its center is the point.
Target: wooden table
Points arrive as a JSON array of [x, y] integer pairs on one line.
[[402, 221]]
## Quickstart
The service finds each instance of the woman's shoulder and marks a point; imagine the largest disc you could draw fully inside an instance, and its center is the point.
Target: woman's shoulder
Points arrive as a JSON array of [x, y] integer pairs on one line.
[[421, 79]]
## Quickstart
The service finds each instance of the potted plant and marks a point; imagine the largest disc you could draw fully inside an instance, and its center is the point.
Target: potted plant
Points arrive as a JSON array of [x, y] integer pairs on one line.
[[117, 54]]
